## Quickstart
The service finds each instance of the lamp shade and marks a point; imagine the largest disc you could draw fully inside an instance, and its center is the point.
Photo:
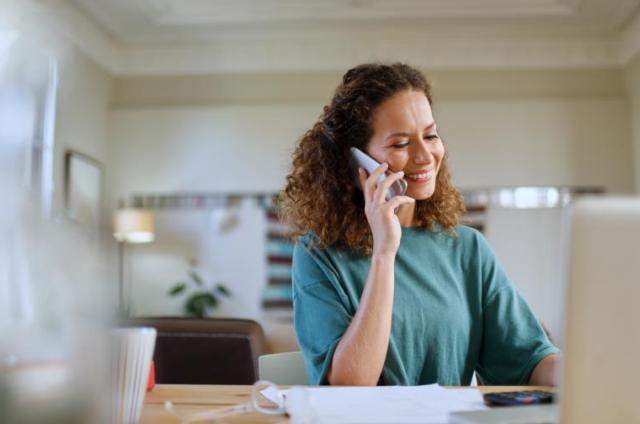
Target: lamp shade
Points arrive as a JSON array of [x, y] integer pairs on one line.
[[132, 225]]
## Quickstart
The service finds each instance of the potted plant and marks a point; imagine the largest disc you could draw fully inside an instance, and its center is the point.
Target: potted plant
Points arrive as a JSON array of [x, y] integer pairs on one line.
[[201, 298]]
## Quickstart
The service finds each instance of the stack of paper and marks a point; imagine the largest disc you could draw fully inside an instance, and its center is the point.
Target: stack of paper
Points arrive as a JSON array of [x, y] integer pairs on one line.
[[393, 404]]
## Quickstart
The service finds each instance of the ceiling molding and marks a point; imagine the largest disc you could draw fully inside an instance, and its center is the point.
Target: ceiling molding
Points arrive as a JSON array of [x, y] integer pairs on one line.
[[42, 19], [315, 87], [318, 49], [129, 19], [309, 54], [190, 12]]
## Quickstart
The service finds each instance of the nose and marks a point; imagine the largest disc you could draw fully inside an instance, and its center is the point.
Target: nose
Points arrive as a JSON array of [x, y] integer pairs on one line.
[[423, 155]]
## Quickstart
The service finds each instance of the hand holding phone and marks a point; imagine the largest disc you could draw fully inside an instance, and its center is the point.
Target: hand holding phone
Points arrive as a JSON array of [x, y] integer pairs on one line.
[[381, 202], [369, 164]]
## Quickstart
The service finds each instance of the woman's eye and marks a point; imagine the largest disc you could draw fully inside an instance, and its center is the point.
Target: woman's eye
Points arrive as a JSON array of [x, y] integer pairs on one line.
[[401, 145], [431, 137]]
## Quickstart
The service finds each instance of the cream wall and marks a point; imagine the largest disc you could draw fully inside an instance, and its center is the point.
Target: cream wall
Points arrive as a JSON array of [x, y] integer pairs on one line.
[[219, 148], [527, 141], [84, 94], [502, 127], [632, 76], [82, 110], [533, 141]]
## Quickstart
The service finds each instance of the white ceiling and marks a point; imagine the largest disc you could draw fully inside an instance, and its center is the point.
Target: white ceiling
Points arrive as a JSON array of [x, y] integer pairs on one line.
[[196, 36], [148, 21]]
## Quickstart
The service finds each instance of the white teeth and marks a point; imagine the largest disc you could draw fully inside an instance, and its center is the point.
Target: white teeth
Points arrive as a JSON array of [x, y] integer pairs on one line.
[[420, 176]]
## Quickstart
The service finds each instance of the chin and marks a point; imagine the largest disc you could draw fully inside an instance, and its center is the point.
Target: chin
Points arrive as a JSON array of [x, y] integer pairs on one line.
[[422, 194]]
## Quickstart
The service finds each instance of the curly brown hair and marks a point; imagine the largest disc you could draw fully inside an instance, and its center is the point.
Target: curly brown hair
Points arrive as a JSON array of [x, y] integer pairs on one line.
[[321, 195]]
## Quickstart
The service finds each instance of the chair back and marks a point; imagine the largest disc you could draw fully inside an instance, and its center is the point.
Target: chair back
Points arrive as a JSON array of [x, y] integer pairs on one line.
[[205, 351], [283, 368]]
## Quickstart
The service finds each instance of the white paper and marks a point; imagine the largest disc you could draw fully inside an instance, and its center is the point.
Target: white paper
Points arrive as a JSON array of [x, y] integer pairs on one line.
[[390, 404]]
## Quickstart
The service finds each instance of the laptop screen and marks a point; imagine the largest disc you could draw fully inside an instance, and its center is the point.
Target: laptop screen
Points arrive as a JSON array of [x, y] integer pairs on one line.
[[602, 330]]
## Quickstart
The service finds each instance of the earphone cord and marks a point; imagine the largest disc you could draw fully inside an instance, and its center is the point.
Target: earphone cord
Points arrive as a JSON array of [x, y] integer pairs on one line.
[[211, 415]]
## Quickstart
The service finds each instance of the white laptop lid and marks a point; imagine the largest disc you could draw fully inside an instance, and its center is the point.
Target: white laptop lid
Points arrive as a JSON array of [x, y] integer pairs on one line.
[[601, 372], [601, 340]]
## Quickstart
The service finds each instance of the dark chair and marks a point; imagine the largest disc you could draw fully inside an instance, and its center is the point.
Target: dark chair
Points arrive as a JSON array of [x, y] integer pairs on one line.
[[205, 351]]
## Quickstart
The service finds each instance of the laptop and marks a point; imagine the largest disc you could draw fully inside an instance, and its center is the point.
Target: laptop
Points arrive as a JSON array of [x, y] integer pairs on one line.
[[601, 370]]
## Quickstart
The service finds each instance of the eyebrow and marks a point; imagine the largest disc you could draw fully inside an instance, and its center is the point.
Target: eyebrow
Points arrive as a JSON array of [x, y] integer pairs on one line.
[[404, 134]]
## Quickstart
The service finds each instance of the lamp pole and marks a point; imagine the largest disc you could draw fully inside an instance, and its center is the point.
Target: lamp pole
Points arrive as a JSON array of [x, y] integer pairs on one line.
[[124, 311], [131, 225]]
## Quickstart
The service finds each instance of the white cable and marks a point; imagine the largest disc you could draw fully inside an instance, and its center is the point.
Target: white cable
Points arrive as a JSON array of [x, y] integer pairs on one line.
[[213, 414]]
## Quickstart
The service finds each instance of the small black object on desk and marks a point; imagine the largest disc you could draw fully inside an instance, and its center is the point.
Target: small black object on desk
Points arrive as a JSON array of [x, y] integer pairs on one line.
[[525, 397]]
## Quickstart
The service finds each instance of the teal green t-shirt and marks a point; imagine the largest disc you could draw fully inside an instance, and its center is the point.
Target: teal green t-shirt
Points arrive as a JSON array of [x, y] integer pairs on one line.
[[455, 311]]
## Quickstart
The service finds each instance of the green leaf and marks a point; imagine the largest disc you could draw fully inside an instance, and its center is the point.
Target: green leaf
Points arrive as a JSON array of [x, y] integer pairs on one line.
[[211, 299], [192, 309], [177, 289], [198, 303], [223, 290], [196, 278]]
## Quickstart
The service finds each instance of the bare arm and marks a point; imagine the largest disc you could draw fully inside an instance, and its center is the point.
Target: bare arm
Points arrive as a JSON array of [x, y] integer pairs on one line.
[[359, 357], [544, 374]]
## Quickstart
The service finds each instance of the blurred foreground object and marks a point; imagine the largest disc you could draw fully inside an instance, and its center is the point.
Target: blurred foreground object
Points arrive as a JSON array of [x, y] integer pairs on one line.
[[52, 347], [132, 352]]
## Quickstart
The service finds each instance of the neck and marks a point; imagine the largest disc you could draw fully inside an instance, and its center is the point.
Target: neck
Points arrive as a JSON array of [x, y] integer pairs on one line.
[[407, 215]]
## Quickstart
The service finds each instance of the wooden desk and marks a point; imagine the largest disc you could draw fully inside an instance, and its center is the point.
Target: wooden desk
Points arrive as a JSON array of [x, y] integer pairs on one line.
[[193, 398]]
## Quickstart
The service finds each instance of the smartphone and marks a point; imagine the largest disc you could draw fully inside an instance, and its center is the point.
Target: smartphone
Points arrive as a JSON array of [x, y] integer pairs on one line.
[[363, 160], [523, 397]]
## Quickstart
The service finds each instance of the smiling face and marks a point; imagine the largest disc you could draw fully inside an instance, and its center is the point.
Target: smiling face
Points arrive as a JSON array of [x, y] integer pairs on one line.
[[405, 137]]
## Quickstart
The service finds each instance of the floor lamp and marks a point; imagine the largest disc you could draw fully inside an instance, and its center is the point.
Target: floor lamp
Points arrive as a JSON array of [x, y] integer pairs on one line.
[[130, 226]]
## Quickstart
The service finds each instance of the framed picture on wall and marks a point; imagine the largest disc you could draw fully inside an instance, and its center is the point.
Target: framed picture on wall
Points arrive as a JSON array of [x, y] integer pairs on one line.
[[83, 191]]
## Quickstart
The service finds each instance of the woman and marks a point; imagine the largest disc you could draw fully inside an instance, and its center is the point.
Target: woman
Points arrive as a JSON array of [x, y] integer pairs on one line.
[[397, 292]]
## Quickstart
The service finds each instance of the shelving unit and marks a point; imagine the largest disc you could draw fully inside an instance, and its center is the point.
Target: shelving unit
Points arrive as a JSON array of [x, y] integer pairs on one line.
[[277, 296], [476, 203]]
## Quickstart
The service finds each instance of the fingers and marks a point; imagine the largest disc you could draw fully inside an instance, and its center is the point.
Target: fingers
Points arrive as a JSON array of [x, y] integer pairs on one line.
[[396, 201], [369, 186], [381, 191], [362, 175]]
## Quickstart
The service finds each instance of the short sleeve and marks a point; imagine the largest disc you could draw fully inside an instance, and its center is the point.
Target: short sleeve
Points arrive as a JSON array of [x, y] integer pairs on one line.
[[319, 312], [513, 340]]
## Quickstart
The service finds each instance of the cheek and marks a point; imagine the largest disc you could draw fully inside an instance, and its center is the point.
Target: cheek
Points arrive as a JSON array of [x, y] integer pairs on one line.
[[398, 160], [439, 152]]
